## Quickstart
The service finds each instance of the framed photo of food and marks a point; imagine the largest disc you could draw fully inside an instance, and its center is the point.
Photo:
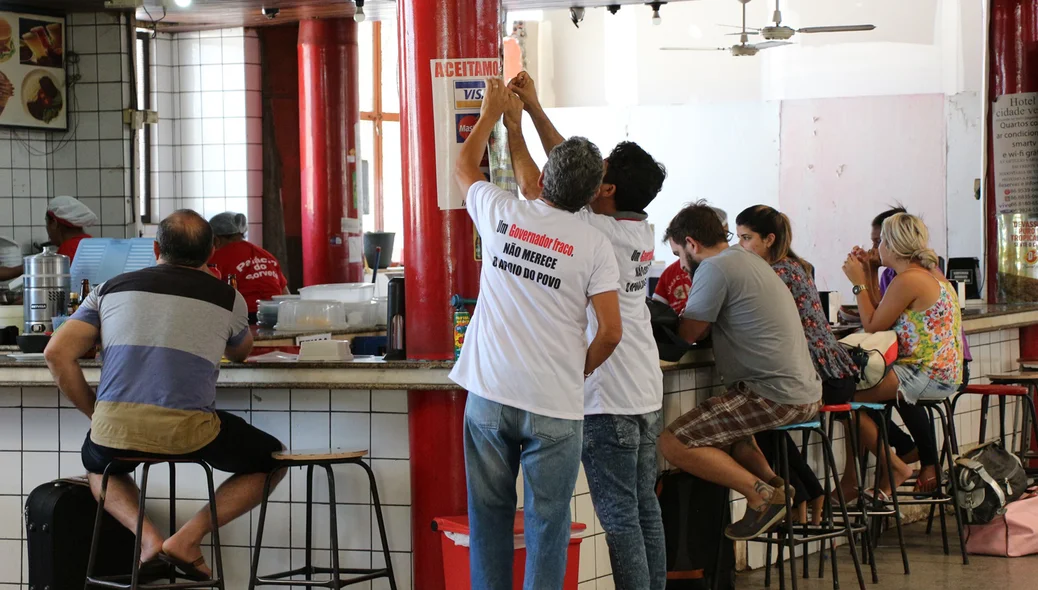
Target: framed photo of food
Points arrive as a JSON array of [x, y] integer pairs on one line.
[[33, 89]]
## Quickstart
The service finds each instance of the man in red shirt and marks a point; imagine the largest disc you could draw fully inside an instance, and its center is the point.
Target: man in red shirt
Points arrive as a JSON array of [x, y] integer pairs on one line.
[[257, 271], [674, 284], [66, 218]]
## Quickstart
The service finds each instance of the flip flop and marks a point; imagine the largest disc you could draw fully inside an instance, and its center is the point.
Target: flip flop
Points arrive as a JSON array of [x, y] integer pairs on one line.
[[152, 570], [189, 570]]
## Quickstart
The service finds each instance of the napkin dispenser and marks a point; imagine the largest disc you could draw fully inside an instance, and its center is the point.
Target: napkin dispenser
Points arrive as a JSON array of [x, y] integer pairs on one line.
[[967, 272]]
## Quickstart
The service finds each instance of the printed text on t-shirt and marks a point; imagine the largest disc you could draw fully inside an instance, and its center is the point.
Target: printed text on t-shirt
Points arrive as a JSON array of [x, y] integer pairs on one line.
[[542, 240], [259, 267]]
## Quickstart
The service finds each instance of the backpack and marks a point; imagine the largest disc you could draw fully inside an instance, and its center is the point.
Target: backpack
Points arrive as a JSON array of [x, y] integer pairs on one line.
[[665, 331], [695, 513], [989, 478]]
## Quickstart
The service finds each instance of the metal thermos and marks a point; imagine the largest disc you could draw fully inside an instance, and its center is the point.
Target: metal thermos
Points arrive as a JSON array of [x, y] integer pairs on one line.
[[395, 343], [47, 286]]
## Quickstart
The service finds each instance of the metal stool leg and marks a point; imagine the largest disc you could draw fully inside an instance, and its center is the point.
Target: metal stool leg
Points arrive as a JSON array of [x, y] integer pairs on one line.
[[886, 448], [308, 558], [940, 512], [172, 513], [954, 492], [827, 447], [217, 547], [381, 524], [135, 570], [790, 538], [333, 521], [868, 543], [96, 537], [254, 578], [983, 419]]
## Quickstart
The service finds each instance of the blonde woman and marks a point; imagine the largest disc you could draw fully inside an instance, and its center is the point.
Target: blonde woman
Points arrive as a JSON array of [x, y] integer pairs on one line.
[[921, 307]]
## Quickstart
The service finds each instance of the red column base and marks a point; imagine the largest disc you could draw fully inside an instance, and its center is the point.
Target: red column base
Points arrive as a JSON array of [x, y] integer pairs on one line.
[[436, 429]]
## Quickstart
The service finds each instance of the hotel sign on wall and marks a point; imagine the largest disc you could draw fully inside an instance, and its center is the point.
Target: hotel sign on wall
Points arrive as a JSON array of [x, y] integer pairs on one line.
[[32, 71], [1014, 128]]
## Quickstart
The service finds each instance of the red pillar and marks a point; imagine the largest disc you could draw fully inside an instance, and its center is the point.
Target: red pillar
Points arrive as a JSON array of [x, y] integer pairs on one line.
[[438, 263], [328, 118]]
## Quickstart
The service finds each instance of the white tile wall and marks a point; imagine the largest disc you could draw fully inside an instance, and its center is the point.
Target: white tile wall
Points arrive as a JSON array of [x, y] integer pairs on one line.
[[41, 440], [38, 165], [207, 90]]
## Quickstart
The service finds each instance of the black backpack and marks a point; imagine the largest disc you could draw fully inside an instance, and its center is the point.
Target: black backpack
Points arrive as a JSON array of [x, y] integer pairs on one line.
[[665, 331], [695, 512], [989, 478]]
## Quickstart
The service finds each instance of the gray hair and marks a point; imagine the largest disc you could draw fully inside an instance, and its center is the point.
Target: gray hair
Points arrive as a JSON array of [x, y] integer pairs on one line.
[[229, 223], [573, 174]]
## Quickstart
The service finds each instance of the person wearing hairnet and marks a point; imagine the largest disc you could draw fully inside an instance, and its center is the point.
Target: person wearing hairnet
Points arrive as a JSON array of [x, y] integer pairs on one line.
[[66, 218], [256, 270]]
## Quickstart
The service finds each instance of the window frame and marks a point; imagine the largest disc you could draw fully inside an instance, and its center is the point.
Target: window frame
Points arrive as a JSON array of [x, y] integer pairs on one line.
[[378, 116], [144, 38]]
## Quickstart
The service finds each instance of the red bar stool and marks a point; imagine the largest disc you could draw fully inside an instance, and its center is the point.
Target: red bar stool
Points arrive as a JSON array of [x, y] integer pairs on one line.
[[1004, 386]]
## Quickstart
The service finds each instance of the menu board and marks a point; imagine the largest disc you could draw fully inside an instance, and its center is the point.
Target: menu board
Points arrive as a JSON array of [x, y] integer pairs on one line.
[[33, 92]]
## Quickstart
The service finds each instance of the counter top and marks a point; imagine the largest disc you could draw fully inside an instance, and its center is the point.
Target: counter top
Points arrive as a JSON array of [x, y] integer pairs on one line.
[[988, 317]]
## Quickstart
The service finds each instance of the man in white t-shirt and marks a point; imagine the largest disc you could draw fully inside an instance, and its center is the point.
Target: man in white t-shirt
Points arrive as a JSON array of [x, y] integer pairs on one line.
[[623, 399], [525, 356]]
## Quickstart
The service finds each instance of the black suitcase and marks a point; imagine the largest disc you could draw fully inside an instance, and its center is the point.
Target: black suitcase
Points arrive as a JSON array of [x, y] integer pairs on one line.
[[59, 520], [695, 512]]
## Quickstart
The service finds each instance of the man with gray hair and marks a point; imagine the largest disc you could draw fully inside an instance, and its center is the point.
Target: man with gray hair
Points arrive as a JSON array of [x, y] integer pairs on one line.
[[164, 330], [525, 356]]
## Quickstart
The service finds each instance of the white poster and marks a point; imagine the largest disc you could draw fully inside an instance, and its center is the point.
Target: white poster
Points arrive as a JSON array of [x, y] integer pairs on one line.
[[458, 86], [1014, 123]]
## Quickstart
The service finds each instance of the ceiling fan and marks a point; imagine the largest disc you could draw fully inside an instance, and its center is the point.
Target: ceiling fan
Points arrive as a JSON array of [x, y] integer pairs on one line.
[[744, 48], [779, 32]]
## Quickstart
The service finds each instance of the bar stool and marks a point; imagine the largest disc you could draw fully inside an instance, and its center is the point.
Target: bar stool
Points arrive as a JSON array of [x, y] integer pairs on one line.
[[325, 459], [134, 581], [1005, 386], [947, 488], [830, 530]]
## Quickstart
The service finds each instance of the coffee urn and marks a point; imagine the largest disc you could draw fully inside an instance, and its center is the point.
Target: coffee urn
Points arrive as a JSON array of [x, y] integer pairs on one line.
[[47, 285]]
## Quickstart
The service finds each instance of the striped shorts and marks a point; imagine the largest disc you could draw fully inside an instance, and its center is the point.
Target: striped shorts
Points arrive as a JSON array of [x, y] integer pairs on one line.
[[735, 416]]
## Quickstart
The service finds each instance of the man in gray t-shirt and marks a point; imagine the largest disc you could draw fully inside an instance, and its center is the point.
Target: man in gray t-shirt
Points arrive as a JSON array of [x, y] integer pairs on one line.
[[761, 353]]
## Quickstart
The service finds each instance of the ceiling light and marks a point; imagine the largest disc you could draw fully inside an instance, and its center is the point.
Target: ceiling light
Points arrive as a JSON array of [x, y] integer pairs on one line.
[[576, 14], [656, 20], [182, 3], [358, 15]]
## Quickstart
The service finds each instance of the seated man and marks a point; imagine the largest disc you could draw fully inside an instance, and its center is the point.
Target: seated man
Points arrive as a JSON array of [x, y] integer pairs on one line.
[[761, 353], [675, 282], [164, 330]]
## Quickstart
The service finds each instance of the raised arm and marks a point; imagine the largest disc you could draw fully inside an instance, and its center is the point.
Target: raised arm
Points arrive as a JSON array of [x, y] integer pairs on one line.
[[526, 172], [523, 86], [466, 170]]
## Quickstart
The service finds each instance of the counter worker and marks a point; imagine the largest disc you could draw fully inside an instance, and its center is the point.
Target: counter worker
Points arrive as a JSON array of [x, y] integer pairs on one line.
[[256, 270], [675, 282], [66, 218]]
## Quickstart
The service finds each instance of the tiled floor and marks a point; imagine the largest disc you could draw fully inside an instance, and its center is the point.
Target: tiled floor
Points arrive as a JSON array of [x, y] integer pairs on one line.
[[929, 566]]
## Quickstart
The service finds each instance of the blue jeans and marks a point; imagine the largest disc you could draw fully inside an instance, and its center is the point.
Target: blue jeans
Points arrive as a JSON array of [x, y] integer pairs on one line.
[[620, 462], [498, 439]]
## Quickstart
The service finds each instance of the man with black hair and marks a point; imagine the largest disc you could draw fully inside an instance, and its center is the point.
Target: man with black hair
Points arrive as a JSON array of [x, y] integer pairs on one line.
[[525, 356], [762, 355], [623, 399], [164, 330]]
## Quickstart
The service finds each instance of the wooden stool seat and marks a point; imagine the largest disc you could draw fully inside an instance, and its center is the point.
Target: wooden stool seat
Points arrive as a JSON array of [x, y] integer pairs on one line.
[[1000, 389], [319, 454]]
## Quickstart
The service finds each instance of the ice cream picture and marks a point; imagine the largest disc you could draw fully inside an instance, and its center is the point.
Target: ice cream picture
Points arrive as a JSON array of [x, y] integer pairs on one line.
[[42, 43]]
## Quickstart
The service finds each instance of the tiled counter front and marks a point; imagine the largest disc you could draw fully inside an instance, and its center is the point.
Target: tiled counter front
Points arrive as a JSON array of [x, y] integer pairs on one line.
[[41, 434]]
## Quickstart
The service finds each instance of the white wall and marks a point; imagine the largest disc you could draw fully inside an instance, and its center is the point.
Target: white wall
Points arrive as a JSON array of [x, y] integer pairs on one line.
[[918, 47]]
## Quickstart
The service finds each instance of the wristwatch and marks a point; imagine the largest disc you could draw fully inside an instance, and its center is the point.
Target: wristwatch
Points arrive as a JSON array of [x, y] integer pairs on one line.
[[859, 288]]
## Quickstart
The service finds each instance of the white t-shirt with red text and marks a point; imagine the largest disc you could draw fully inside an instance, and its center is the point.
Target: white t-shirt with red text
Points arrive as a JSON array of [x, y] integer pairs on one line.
[[630, 382], [525, 346]]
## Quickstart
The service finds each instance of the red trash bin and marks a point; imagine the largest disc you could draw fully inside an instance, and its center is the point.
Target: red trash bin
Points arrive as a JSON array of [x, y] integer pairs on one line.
[[456, 553]]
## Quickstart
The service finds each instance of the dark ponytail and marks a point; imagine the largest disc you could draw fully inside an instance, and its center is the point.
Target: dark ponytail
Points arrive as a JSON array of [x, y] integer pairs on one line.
[[765, 221]]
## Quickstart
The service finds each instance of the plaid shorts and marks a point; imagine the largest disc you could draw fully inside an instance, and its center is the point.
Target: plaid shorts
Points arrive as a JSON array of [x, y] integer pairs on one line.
[[734, 416]]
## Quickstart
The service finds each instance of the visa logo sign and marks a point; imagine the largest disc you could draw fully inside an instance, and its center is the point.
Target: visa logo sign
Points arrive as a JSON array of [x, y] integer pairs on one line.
[[468, 94]]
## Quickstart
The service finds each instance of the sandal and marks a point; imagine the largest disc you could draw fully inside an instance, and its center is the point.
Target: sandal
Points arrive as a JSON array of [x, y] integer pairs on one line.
[[189, 570], [152, 570]]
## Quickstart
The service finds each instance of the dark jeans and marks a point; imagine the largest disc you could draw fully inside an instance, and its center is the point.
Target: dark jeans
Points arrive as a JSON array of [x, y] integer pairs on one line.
[[620, 462], [802, 478]]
